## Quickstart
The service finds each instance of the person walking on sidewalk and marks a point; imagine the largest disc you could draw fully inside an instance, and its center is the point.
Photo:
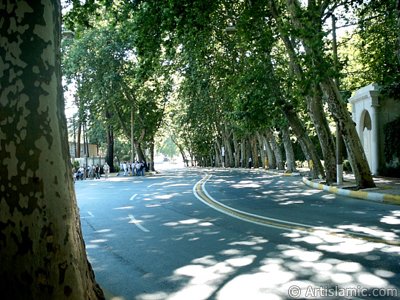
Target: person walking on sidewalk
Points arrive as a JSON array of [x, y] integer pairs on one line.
[[106, 169]]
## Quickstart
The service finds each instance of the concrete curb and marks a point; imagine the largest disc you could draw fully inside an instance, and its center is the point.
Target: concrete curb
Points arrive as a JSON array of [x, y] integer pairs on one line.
[[377, 197]]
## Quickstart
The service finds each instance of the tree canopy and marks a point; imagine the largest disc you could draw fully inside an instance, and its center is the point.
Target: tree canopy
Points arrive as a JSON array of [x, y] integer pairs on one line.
[[232, 74]]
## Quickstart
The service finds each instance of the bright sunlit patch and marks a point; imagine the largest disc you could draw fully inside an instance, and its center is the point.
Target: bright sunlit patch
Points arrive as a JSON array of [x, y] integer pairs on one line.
[[291, 202], [322, 266], [205, 224], [189, 221], [371, 231], [103, 230], [349, 247], [311, 240], [171, 224], [98, 241], [341, 278], [193, 291], [179, 184], [261, 285], [245, 184], [367, 279], [205, 260], [349, 267], [394, 219], [231, 252], [292, 235], [329, 196], [124, 207], [253, 241], [390, 220], [165, 197], [302, 254], [241, 261]]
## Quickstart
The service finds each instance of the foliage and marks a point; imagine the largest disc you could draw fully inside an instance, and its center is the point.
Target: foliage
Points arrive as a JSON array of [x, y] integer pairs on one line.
[[175, 64], [378, 45]]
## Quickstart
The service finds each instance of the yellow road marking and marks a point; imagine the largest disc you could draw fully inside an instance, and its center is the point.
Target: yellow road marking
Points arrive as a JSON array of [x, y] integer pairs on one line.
[[202, 195]]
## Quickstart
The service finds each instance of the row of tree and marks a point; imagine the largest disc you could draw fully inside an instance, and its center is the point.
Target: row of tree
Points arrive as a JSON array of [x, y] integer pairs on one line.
[[232, 79]]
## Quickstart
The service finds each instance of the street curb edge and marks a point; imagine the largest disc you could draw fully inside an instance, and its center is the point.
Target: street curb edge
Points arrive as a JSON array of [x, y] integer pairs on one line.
[[377, 197]]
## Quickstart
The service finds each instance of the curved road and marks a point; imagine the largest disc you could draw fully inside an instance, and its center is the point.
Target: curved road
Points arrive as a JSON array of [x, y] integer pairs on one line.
[[233, 234]]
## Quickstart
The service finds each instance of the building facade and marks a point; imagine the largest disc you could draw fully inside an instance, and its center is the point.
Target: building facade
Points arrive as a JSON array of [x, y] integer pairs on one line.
[[370, 113]]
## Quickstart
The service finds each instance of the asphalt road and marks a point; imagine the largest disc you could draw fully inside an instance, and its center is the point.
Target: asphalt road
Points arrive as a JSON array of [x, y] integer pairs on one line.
[[236, 234]]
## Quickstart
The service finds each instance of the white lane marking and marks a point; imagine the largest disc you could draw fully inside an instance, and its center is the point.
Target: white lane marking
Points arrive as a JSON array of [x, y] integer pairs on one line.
[[137, 223], [133, 197]]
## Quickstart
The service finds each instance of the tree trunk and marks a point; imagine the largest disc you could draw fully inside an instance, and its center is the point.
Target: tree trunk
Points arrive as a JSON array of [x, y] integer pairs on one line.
[[254, 152], [41, 246], [270, 154], [243, 153], [78, 146], [228, 152], [362, 172], [301, 134], [236, 151], [277, 151], [287, 143], [110, 148], [262, 149], [316, 113], [110, 142]]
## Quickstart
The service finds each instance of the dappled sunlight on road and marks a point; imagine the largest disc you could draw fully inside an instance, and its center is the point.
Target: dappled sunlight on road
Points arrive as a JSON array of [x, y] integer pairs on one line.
[[233, 273], [393, 219], [253, 262], [255, 268]]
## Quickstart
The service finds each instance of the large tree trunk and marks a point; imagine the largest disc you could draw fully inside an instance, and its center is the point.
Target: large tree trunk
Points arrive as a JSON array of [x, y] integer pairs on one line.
[[78, 145], [316, 113], [287, 143], [270, 154], [110, 148], [301, 134], [228, 149], [41, 246], [362, 172], [276, 149], [236, 150]]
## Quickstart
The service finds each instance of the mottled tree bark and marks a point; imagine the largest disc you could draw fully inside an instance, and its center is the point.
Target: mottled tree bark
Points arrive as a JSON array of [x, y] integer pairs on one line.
[[276, 149], [301, 133], [41, 246], [287, 143]]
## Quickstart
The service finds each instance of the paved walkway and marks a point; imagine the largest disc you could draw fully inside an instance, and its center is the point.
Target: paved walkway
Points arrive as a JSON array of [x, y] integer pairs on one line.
[[387, 189]]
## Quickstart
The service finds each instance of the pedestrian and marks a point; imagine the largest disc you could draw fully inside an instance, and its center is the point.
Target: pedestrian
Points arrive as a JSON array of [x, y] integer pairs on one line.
[[137, 167], [106, 169], [97, 171], [125, 167], [81, 173], [142, 167], [250, 162], [92, 171], [74, 172]]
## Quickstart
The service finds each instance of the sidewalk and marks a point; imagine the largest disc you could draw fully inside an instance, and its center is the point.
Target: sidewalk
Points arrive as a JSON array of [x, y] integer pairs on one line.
[[387, 189]]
